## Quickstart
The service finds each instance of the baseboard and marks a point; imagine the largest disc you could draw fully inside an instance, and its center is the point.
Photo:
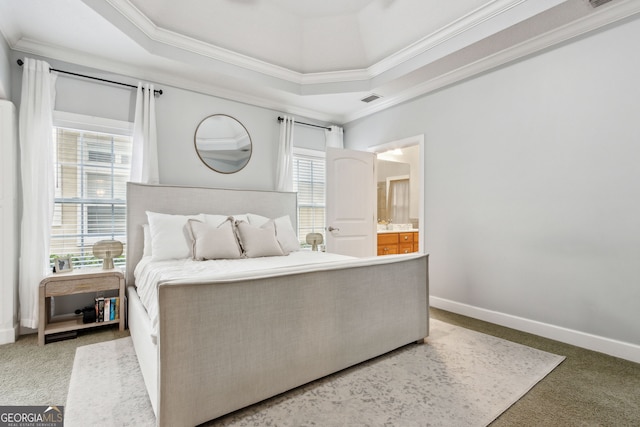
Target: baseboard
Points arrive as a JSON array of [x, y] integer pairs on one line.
[[604, 345], [8, 335]]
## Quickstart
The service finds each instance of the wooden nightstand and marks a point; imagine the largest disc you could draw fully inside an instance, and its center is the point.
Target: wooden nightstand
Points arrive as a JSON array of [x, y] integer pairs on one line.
[[79, 281]]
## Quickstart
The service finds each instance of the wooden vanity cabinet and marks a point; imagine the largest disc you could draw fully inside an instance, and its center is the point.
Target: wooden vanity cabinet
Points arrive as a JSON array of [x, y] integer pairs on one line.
[[387, 243], [397, 243]]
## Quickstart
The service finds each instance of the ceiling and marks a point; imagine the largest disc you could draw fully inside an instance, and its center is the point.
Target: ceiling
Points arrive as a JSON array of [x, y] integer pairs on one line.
[[310, 58]]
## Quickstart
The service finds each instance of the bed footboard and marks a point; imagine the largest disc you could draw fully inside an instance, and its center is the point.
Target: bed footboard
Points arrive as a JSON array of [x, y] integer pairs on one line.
[[227, 345]]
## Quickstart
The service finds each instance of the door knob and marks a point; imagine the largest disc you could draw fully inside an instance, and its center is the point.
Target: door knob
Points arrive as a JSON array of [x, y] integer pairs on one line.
[[333, 229]]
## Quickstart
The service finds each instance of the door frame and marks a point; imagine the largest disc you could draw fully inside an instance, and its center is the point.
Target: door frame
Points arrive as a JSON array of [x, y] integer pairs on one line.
[[403, 143]]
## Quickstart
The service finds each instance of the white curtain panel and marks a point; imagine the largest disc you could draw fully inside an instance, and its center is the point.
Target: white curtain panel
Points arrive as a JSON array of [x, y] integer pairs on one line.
[[38, 191], [144, 156], [284, 169], [334, 137], [399, 201]]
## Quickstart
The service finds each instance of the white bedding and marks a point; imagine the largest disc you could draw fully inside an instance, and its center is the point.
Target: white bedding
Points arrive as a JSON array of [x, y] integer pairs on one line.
[[150, 274]]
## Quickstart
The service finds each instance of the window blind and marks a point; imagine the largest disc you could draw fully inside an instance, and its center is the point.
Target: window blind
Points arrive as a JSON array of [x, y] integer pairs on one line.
[[309, 183], [91, 172]]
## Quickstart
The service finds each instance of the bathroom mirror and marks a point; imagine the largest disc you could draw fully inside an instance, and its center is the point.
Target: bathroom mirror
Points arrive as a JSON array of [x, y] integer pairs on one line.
[[393, 180], [223, 143]]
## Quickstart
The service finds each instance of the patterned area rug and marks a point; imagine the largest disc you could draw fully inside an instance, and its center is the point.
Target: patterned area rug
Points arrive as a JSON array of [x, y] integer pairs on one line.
[[459, 378]]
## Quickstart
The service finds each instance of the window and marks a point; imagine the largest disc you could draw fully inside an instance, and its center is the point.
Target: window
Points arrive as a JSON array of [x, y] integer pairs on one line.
[[309, 182], [92, 169]]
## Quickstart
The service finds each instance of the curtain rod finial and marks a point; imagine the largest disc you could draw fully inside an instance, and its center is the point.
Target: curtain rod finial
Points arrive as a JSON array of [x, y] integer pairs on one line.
[[20, 62]]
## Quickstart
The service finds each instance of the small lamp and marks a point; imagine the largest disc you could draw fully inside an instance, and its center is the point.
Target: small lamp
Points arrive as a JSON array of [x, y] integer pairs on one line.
[[107, 250], [314, 239]]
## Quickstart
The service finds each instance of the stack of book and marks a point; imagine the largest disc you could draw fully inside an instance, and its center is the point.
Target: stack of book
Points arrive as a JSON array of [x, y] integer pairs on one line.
[[107, 308]]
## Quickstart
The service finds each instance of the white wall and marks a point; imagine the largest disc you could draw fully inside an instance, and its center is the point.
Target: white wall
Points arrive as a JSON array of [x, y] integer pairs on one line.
[[8, 224], [5, 71], [532, 182], [178, 114], [179, 164]]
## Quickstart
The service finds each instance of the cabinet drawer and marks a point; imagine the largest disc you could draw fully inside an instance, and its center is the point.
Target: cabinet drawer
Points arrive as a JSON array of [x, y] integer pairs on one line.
[[387, 238], [387, 249], [406, 237], [405, 248], [80, 286]]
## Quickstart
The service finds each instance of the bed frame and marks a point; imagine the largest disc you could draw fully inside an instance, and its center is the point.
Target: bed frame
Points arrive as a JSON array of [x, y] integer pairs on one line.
[[225, 345]]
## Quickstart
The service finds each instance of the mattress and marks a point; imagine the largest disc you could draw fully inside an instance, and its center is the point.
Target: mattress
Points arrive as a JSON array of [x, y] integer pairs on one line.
[[149, 274]]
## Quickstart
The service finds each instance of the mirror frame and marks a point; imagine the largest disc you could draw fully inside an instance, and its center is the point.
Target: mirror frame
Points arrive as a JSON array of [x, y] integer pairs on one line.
[[195, 144]]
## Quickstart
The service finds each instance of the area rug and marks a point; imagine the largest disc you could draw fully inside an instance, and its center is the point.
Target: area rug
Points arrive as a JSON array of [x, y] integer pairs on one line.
[[458, 378]]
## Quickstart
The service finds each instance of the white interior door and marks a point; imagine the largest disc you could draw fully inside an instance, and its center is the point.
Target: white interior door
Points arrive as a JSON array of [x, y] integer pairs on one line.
[[351, 202]]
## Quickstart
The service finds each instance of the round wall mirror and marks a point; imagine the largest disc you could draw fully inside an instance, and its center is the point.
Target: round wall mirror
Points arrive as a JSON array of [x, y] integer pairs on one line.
[[223, 143]]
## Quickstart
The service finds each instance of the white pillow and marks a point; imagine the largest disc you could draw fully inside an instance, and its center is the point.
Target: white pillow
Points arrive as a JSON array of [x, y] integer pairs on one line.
[[257, 220], [258, 241], [170, 238], [285, 233], [210, 242], [146, 248]]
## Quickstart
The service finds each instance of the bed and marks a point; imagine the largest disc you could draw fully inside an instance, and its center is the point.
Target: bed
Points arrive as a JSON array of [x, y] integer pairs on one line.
[[221, 342]]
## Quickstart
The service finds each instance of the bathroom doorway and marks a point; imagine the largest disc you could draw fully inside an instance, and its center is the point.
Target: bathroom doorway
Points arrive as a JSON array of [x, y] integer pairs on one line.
[[407, 205]]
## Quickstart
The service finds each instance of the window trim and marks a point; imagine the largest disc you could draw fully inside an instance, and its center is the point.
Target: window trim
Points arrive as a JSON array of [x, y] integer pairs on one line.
[[84, 122], [310, 153], [92, 124]]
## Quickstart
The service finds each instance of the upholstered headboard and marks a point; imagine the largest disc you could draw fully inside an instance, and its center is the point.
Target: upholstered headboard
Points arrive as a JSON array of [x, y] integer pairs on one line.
[[195, 200]]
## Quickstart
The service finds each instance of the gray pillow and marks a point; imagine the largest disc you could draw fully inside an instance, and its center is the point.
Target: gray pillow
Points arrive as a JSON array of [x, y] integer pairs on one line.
[[285, 233], [258, 241], [210, 242]]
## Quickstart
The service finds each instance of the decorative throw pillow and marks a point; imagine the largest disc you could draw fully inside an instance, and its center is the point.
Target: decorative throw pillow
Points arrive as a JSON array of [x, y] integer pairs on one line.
[[285, 233], [211, 242], [216, 220], [240, 217], [258, 241], [170, 238]]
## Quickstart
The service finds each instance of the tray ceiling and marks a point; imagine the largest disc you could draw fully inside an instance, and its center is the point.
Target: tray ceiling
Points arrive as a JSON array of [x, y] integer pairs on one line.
[[305, 57]]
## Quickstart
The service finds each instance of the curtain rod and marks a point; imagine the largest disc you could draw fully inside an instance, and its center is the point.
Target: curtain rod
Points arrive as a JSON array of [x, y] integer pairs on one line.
[[307, 124], [155, 92]]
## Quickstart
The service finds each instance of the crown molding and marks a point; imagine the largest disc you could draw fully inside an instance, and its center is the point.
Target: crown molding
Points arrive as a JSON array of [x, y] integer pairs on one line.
[[460, 26], [469, 23], [189, 44], [168, 79], [605, 15], [609, 14], [208, 50]]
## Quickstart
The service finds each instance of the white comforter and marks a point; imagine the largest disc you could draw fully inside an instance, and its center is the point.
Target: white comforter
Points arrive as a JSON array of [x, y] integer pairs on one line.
[[149, 274]]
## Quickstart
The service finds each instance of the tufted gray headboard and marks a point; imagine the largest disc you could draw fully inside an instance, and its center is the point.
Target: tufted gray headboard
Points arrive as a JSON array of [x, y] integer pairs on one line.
[[194, 200]]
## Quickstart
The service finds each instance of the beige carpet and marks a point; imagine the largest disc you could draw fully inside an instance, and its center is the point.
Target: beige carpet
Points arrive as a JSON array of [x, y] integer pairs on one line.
[[459, 378]]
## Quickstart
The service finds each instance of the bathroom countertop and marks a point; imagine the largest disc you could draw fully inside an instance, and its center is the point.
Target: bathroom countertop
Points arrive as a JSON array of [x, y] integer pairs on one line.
[[409, 230]]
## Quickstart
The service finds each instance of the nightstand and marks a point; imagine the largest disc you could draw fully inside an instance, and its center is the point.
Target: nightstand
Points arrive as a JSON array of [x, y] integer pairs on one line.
[[79, 281]]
